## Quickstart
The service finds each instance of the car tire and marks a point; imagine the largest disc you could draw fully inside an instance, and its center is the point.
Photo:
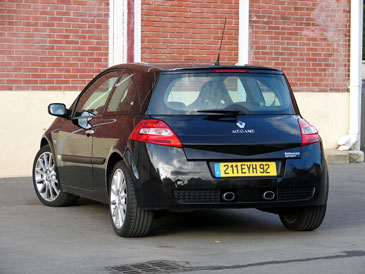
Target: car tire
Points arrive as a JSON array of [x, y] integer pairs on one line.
[[303, 218], [128, 219], [46, 183]]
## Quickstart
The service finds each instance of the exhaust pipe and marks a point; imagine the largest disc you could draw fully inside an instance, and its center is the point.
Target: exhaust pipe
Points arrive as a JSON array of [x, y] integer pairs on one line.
[[228, 196], [269, 195]]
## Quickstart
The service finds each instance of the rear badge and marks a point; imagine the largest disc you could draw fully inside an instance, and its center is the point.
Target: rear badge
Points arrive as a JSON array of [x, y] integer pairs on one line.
[[242, 125], [294, 154]]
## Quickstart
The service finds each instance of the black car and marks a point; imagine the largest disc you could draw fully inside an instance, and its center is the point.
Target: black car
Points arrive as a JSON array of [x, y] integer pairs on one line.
[[150, 137]]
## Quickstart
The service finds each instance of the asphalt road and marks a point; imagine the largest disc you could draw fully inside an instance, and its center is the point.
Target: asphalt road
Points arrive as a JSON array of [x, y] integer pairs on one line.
[[79, 239]]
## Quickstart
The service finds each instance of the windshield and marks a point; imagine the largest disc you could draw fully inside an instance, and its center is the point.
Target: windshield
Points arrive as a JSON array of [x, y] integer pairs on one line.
[[221, 93]]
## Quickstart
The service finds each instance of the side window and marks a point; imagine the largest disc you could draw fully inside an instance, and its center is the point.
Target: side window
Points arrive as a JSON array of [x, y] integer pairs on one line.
[[235, 89], [269, 95], [124, 99], [185, 90], [93, 100]]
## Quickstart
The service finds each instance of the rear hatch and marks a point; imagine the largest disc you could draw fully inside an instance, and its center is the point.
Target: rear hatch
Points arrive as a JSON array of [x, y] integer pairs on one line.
[[229, 113], [244, 137]]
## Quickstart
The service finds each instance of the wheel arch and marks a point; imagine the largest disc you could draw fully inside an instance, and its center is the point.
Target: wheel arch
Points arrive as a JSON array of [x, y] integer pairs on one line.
[[114, 158], [44, 142]]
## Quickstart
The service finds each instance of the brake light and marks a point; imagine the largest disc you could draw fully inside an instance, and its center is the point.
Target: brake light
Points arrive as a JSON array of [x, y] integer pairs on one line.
[[155, 132], [229, 70], [309, 133]]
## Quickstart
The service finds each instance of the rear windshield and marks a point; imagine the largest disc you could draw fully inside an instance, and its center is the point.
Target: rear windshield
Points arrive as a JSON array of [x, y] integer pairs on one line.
[[244, 93]]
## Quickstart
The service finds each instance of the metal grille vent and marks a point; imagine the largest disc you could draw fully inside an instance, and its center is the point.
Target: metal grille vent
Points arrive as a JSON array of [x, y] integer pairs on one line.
[[150, 267], [295, 193], [197, 196]]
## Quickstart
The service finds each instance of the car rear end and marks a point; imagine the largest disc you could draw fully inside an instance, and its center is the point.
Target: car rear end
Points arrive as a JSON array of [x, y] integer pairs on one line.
[[226, 137]]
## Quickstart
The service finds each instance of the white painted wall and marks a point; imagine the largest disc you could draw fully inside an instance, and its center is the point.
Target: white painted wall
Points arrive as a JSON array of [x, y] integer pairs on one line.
[[24, 118], [328, 112]]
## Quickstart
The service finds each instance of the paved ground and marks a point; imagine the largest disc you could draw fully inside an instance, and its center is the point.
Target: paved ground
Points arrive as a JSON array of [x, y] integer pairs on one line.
[[79, 239]]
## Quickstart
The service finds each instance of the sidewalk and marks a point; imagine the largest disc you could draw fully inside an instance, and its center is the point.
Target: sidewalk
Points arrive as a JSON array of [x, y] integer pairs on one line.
[[334, 156]]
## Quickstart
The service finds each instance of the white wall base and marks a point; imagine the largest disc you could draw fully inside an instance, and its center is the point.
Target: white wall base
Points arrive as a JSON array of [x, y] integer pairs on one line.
[[24, 118], [328, 112]]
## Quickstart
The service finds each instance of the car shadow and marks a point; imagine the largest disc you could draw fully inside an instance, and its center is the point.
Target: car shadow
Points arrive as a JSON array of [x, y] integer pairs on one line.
[[216, 220]]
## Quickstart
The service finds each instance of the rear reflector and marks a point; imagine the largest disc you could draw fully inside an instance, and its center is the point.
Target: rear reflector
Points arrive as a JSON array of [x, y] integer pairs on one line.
[[229, 70], [155, 132], [309, 133]]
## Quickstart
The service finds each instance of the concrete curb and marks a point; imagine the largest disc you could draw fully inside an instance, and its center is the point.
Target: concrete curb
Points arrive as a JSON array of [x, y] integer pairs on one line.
[[335, 156]]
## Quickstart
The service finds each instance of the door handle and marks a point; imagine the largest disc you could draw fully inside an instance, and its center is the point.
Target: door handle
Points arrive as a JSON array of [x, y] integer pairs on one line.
[[89, 132]]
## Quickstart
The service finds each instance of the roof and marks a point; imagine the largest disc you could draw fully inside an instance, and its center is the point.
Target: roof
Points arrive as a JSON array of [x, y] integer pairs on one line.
[[147, 67]]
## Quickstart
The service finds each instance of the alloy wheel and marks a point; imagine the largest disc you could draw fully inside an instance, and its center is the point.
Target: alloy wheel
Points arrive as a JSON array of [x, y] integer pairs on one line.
[[46, 177], [118, 198]]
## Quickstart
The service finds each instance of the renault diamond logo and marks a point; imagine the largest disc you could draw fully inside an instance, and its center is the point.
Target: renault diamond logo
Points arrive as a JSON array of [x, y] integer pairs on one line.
[[240, 124], [241, 129]]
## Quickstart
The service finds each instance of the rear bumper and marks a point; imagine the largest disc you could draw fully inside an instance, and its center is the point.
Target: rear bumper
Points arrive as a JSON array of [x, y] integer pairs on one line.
[[164, 179]]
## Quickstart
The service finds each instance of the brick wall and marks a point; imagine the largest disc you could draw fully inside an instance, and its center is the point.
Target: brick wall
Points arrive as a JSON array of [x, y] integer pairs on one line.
[[309, 40], [61, 44], [189, 30], [52, 44]]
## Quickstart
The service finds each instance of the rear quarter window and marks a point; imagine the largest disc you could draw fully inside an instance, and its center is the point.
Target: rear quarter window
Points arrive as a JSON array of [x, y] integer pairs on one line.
[[124, 99]]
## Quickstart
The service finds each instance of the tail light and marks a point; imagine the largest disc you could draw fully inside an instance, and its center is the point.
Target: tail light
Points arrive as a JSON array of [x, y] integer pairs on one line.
[[309, 133], [155, 132]]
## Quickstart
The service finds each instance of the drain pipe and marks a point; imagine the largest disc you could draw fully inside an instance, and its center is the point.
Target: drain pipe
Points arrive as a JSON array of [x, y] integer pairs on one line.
[[352, 140]]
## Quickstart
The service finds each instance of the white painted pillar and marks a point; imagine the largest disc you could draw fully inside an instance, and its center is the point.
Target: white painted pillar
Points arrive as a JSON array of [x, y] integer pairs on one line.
[[117, 31], [356, 69], [243, 36], [137, 30], [352, 140]]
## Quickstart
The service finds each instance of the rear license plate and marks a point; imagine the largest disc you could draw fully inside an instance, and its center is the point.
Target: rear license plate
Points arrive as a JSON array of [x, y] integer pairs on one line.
[[245, 169]]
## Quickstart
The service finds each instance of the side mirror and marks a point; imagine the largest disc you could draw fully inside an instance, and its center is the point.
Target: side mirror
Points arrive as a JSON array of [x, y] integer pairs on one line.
[[58, 109]]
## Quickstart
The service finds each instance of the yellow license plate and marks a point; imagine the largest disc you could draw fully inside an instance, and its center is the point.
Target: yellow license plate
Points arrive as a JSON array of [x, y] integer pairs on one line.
[[245, 169]]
